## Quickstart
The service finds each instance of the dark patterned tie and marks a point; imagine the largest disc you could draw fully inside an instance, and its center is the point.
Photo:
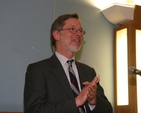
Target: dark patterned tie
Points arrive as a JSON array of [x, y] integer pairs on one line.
[[74, 84]]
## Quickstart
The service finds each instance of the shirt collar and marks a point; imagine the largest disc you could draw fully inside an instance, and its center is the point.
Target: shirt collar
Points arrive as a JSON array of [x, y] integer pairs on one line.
[[62, 58]]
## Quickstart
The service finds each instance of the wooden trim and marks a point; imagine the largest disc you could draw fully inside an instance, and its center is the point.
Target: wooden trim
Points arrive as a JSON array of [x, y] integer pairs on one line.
[[131, 27]]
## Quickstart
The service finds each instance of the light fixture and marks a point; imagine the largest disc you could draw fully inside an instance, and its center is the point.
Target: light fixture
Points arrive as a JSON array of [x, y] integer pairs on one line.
[[118, 13]]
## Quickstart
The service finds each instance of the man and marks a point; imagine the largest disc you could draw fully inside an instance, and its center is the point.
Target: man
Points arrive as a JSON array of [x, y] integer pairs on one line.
[[48, 85]]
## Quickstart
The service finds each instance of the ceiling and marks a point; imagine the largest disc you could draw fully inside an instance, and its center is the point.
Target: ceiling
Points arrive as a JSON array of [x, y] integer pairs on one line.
[[104, 3]]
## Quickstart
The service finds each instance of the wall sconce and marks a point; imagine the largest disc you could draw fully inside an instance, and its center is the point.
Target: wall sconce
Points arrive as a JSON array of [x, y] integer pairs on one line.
[[119, 13], [127, 52]]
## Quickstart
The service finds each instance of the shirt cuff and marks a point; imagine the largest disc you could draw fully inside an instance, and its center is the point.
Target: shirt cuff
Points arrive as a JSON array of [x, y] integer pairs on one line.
[[91, 106]]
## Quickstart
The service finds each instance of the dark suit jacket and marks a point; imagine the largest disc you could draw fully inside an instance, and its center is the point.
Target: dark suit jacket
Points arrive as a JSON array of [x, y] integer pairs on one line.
[[47, 89]]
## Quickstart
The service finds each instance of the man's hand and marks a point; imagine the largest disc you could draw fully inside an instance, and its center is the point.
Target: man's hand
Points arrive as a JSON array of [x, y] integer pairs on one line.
[[88, 93]]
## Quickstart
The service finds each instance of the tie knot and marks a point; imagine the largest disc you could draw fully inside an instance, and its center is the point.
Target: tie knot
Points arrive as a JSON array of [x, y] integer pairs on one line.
[[70, 62]]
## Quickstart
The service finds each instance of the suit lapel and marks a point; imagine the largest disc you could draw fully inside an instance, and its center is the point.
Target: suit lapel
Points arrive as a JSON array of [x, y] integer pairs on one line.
[[60, 75], [82, 74]]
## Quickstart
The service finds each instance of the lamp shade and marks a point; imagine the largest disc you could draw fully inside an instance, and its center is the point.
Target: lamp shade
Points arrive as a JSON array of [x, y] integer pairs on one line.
[[119, 14]]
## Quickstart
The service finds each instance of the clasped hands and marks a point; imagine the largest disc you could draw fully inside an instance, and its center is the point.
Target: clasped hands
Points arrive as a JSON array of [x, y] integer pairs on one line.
[[88, 93]]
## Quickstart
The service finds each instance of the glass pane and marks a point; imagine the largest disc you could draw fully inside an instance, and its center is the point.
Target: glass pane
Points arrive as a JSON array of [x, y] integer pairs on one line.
[[122, 67], [138, 66]]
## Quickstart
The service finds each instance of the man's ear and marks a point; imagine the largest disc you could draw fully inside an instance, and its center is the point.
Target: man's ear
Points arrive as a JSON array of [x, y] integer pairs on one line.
[[56, 34]]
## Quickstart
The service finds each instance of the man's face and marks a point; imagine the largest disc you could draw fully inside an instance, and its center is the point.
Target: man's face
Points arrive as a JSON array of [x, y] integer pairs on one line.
[[69, 39]]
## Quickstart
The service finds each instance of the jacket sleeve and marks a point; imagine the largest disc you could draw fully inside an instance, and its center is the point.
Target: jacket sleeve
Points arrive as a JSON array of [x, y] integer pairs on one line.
[[102, 103]]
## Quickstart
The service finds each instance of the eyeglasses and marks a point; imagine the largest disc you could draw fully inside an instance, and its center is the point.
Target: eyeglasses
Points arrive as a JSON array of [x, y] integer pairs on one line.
[[74, 30]]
